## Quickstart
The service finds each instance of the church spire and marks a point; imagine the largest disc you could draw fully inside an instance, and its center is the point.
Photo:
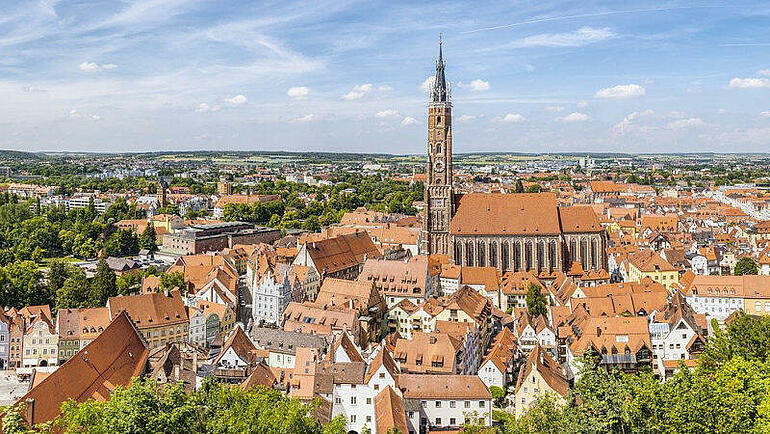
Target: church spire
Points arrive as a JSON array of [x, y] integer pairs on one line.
[[439, 91]]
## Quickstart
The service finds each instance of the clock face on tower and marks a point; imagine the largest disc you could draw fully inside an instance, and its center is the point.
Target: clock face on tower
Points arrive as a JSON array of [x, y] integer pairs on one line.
[[438, 165]]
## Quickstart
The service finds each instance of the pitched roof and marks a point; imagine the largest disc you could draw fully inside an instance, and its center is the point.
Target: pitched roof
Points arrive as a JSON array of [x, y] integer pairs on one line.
[[389, 411], [110, 360], [579, 218], [342, 252], [496, 213], [150, 310], [429, 386], [401, 278], [240, 343], [549, 370]]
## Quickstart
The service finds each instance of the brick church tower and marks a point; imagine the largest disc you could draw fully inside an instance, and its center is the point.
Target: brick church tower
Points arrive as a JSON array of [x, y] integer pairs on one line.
[[438, 182]]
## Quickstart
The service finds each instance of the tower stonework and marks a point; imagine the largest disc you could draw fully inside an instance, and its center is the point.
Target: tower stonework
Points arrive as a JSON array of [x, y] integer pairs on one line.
[[438, 182]]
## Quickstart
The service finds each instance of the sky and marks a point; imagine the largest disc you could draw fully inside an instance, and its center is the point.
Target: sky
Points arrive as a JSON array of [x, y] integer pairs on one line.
[[348, 76]]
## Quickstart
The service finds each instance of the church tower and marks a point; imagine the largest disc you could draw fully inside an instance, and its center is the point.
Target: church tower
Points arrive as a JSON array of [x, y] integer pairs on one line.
[[438, 182]]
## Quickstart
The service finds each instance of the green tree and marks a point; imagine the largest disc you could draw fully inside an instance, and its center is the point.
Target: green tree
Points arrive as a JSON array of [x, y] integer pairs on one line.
[[519, 188], [498, 394], [122, 243], [58, 271], [174, 280], [746, 265], [75, 292], [103, 285], [149, 240], [537, 303]]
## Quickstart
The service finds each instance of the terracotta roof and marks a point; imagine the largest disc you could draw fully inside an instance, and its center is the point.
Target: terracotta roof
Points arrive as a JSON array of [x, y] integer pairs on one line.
[[489, 277], [577, 219], [150, 310], [400, 278], [650, 261], [424, 349], [240, 343], [110, 360], [342, 252], [260, 376], [495, 213], [450, 386], [550, 370], [389, 411], [340, 292]]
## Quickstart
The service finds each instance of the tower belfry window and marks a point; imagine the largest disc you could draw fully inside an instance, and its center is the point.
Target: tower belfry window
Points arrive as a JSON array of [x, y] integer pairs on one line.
[[438, 120]]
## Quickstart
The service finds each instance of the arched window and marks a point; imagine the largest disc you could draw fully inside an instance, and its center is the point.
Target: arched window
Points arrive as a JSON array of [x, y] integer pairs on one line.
[[469, 253], [504, 256], [516, 255], [493, 253], [439, 148], [584, 253], [482, 254], [527, 256], [552, 255], [572, 251], [594, 254], [540, 256], [458, 253]]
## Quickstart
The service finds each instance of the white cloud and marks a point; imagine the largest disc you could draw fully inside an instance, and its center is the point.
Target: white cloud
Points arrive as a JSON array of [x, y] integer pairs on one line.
[[621, 91], [409, 121], [237, 100], [74, 114], [748, 83], [476, 85], [513, 118], [466, 118], [575, 117], [685, 123], [577, 38], [627, 124], [765, 72], [93, 67], [307, 118], [202, 108], [582, 104], [384, 88], [386, 114], [358, 91], [554, 108], [95, 117], [765, 114], [428, 83], [299, 92]]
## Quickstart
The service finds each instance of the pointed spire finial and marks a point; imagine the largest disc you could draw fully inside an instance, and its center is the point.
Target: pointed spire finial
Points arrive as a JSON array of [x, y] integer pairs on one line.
[[439, 91]]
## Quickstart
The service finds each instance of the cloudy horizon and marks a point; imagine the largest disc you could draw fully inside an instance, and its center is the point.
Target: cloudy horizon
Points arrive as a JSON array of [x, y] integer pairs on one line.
[[342, 76]]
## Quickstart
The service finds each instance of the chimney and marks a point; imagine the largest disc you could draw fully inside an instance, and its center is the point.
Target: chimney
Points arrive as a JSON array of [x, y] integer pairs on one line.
[[598, 331], [29, 410]]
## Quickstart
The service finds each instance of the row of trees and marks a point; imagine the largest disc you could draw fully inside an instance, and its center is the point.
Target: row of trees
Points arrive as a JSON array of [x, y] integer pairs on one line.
[[329, 204], [146, 407]]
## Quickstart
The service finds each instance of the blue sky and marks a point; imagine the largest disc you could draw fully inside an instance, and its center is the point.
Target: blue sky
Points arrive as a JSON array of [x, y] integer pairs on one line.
[[527, 76]]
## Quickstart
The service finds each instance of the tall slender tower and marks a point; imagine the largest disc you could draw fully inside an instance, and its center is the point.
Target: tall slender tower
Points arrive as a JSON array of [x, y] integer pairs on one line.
[[438, 182]]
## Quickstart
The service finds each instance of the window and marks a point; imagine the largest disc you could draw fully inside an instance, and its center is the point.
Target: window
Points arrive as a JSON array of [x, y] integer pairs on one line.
[[353, 400], [452, 421], [352, 418], [481, 404], [438, 421], [368, 419], [424, 404], [467, 404], [438, 404], [368, 401], [452, 404], [338, 400]]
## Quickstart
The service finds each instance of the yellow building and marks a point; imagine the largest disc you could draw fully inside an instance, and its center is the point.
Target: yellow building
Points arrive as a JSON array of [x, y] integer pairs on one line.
[[160, 317], [652, 265], [540, 375]]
